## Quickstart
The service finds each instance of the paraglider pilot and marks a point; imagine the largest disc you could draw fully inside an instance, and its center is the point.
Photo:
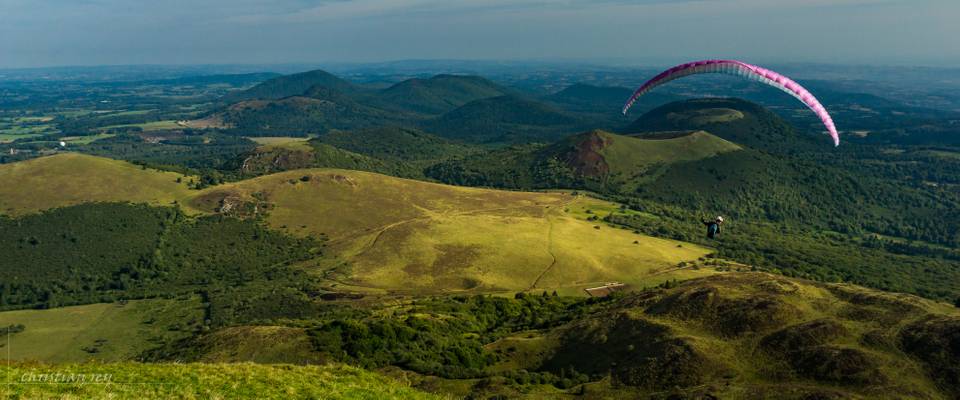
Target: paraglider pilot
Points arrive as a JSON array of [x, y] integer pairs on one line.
[[713, 227]]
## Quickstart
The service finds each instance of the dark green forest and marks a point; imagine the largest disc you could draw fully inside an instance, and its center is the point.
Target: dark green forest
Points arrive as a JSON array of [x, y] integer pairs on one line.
[[106, 252], [451, 346]]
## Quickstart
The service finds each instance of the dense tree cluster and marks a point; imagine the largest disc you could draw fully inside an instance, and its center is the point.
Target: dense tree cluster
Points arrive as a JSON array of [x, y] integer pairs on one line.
[[189, 152], [806, 252], [105, 252], [446, 336]]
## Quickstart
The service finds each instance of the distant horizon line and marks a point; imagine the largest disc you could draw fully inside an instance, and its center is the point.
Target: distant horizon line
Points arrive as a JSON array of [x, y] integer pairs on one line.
[[597, 62]]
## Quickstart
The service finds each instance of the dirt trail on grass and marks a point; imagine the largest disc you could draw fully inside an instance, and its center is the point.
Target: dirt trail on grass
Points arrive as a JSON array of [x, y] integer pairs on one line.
[[379, 231], [549, 251]]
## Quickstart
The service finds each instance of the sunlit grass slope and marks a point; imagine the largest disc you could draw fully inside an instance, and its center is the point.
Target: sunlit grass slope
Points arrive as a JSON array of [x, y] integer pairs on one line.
[[102, 332], [398, 234], [206, 381], [259, 344], [70, 178], [284, 142], [628, 153], [385, 233]]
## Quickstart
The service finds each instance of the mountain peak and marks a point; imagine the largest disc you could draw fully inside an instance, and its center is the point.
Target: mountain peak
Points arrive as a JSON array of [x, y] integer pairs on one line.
[[598, 154], [438, 94], [293, 85], [732, 119]]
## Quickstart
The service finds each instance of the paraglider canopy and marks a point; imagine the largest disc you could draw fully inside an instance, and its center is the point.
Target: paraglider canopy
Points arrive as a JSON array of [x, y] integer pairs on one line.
[[749, 71]]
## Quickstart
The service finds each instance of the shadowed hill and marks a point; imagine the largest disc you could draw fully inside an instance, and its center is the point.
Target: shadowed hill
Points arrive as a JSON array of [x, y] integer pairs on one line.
[[599, 154], [502, 119], [301, 115], [316, 154], [438, 94], [758, 336], [395, 143], [291, 85], [396, 151], [464, 108], [736, 120], [590, 159]]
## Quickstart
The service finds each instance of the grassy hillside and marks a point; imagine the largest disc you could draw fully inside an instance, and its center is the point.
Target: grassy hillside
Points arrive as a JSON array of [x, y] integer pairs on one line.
[[686, 146], [750, 335], [71, 178], [384, 232], [262, 344], [205, 381], [617, 160], [103, 332], [732, 335], [783, 190], [594, 159], [726, 334], [396, 234]]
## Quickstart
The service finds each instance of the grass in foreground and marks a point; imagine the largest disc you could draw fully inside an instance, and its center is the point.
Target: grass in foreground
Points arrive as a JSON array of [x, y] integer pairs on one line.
[[103, 332], [201, 381]]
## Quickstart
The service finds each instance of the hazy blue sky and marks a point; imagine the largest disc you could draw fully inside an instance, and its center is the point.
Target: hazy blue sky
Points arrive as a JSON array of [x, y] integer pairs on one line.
[[93, 32]]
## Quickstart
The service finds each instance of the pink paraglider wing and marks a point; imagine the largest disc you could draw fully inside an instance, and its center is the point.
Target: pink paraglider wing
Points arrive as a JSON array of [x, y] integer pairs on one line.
[[745, 70]]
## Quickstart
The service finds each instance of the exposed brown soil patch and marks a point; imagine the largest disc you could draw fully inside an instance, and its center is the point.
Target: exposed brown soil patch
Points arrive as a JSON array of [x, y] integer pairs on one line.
[[585, 157], [275, 160]]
